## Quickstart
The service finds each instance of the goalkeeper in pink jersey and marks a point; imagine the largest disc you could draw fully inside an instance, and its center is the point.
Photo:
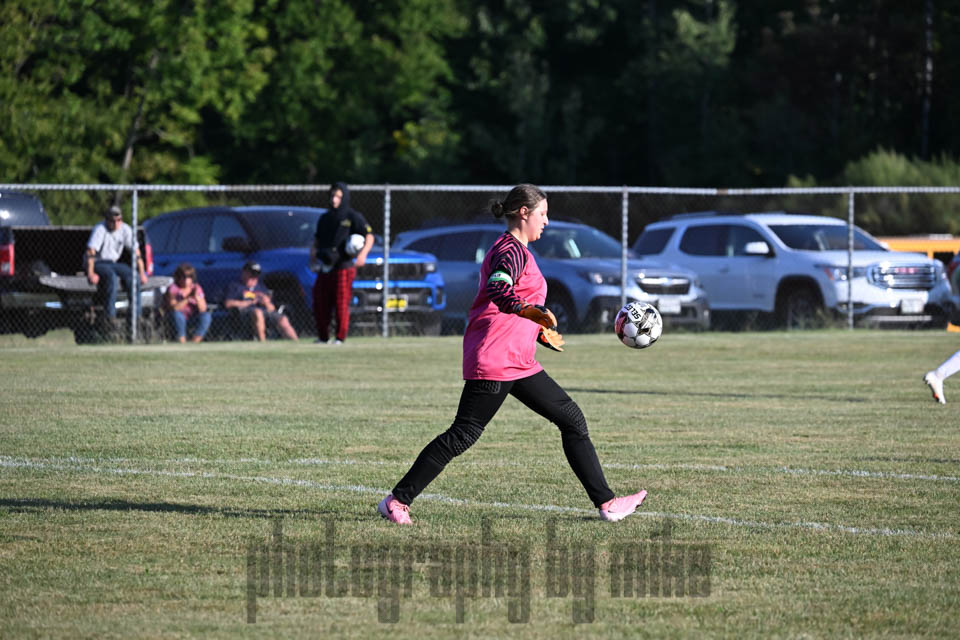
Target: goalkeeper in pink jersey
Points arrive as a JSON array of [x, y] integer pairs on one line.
[[505, 323]]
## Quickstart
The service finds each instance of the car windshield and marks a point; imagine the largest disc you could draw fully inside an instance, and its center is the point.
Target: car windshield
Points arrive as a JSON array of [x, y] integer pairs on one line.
[[285, 228], [823, 237], [570, 243]]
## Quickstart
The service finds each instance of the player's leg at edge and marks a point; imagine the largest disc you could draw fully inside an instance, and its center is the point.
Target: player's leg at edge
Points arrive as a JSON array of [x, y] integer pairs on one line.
[[936, 386]]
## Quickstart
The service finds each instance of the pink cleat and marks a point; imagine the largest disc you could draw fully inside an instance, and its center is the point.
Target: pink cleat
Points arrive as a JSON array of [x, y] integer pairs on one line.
[[620, 508], [395, 511]]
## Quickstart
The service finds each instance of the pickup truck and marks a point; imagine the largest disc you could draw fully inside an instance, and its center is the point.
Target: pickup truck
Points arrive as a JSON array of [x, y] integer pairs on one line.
[[42, 283], [217, 241]]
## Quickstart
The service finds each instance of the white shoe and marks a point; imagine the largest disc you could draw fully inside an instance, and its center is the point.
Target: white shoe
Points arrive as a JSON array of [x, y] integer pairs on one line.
[[936, 386]]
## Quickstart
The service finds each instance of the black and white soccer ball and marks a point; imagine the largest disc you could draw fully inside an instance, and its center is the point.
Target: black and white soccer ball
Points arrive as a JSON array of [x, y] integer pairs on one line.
[[353, 244], [638, 325]]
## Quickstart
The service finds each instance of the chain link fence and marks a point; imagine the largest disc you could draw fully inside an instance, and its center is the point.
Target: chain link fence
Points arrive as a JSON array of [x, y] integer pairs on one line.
[[422, 274]]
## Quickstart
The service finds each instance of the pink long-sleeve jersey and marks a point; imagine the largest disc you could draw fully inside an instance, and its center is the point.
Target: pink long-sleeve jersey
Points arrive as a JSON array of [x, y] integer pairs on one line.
[[498, 344]]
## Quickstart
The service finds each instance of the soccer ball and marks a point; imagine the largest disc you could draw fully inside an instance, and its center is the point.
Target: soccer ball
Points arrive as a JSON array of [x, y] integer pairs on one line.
[[354, 244], [638, 325]]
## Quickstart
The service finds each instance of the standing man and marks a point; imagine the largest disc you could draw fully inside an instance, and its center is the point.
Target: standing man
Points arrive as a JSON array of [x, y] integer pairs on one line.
[[107, 241], [336, 270]]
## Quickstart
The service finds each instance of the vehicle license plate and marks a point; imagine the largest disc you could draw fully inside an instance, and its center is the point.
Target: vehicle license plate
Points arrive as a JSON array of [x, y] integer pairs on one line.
[[911, 305], [397, 303], [669, 306]]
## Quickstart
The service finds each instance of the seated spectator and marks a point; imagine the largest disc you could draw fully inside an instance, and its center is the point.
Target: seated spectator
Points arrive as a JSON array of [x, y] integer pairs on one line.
[[107, 241], [250, 298], [186, 305]]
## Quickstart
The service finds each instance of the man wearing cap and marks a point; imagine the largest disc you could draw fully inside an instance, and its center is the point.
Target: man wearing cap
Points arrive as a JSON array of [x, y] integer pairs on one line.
[[249, 298], [107, 241]]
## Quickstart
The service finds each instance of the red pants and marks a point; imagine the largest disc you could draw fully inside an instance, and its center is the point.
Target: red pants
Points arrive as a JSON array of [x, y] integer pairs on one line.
[[333, 290]]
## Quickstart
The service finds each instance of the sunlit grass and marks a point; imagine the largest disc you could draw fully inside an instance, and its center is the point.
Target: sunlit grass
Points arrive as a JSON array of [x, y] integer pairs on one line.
[[813, 466]]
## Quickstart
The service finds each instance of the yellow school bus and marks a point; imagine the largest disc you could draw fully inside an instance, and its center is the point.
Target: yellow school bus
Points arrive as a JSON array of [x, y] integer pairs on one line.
[[940, 246]]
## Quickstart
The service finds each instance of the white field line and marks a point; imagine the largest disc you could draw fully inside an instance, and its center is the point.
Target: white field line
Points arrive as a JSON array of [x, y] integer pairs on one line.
[[20, 463], [853, 473], [794, 471]]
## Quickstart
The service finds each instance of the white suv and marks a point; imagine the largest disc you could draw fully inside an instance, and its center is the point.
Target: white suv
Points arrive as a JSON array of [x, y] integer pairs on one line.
[[796, 265]]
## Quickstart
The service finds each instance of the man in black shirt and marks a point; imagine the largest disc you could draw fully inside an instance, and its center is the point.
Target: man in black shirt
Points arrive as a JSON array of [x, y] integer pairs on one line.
[[336, 253]]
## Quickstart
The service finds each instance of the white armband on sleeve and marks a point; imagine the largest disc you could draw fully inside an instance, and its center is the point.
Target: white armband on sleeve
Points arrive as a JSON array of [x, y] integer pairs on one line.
[[500, 276]]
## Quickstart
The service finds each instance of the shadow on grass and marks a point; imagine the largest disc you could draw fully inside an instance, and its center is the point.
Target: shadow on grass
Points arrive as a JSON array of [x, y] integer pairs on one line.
[[708, 394], [26, 505]]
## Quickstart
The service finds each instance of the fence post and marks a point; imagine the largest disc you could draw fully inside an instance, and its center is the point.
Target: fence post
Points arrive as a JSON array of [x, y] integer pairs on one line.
[[624, 210], [133, 304], [386, 260], [850, 259]]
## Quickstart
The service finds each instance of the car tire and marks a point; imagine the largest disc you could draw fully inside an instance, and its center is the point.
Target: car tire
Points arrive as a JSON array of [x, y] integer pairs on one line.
[[429, 324], [799, 308], [34, 325], [562, 308], [84, 332], [453, 326]]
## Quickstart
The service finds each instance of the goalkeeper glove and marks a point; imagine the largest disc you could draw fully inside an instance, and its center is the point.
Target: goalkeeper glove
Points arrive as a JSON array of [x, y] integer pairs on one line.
[[551, 339], [538, 313]]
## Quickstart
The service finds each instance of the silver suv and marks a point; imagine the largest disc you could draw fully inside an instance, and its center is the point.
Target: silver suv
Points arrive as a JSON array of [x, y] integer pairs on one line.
[[795, 266], [582, 268]]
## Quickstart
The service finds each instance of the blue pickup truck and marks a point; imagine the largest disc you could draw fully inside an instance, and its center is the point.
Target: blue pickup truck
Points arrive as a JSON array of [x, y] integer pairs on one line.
[[217, 241]]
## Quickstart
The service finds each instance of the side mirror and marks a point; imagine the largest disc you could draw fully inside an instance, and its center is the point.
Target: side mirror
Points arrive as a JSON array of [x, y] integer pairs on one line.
[[236, 244], [758, 248]]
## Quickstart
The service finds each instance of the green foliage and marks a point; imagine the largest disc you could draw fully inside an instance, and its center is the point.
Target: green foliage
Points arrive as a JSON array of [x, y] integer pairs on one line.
[[905, 213], [79, 82], [900, 213], [884, 167], [355, 92], [691, 73], [733, 93]]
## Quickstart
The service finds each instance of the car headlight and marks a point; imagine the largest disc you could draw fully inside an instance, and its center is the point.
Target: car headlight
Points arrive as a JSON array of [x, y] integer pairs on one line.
[[838, 273], [430, 267], [597, 277]]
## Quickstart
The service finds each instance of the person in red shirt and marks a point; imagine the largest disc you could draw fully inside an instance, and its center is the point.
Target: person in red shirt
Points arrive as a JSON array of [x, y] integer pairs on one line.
[[504, 325]]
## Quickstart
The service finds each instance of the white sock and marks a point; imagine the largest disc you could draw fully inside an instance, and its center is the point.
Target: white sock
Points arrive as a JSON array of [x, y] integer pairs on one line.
[[950, 366]]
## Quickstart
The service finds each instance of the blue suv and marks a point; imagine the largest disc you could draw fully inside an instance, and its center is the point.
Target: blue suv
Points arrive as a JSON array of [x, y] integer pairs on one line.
[[217, 241], [582, 268]]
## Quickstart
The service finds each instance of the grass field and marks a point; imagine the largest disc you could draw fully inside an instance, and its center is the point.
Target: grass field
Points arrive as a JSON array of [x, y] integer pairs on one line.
[[813, 468]]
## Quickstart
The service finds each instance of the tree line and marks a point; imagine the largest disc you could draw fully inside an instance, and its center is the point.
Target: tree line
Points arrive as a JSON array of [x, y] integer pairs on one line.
[[724, 93]]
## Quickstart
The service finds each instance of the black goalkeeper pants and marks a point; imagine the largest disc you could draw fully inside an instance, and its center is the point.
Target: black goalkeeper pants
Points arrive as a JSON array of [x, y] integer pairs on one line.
[[479, 402]]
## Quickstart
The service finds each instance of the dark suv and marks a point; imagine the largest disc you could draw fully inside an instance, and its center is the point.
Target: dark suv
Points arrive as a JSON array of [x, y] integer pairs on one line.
[[217, 241]]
